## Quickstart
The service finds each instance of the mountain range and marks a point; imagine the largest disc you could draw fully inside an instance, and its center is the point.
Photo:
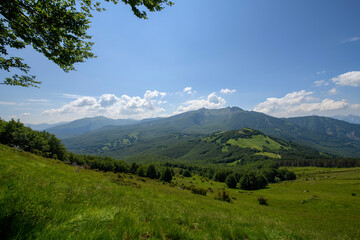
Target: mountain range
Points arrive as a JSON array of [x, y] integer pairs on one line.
[[84, 125], [349, 118], [323, 134]]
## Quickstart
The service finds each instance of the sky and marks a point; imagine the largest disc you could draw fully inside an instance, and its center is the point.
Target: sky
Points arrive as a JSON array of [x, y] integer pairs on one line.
[[283, 58]]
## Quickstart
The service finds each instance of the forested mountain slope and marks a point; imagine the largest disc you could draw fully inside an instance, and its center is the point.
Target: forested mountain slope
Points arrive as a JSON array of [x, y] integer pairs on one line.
[[190, 125]]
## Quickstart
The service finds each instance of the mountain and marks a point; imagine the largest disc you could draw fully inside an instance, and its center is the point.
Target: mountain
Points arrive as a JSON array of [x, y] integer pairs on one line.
[[349, 118], [85, 125], [43, 126], [234, 147], [121, 141], [333, 127]]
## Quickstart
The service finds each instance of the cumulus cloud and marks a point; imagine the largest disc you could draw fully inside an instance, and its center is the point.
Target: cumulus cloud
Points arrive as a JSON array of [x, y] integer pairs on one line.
[[154, 94], [299, 103], [212, 101], [348, 79], [25, 114], [226, 91], [333, 91], [112, 106], [188, 90], [321, 83]]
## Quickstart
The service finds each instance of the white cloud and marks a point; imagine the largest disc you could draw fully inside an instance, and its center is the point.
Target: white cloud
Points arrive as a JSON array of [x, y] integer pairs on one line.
[[226, 91], [66, 95], [9, 103], [188, 90], [300, 103], [321, 72], [348, 79], [111, 106], [333, 91], [212, 101], [153, 94], [321, 83], [38, 100], [25, 114], [352, 39]]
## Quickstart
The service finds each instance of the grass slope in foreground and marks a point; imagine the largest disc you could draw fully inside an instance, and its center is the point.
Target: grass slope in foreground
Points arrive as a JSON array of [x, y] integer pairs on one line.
[[46, 199]]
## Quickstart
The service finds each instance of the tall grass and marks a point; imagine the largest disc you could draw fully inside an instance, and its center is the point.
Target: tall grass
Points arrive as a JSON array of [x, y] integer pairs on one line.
[[46, 199]]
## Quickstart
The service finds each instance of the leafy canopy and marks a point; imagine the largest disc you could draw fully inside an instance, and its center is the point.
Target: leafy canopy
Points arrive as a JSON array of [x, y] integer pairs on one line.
[[55, 28]]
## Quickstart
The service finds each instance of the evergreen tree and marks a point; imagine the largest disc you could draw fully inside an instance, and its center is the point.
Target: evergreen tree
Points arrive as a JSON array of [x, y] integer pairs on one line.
[[151, 172], [166, 175]]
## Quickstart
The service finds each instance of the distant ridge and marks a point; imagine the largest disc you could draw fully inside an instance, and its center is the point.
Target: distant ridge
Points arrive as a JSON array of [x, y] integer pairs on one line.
[[84, 125], [120, 141], [349, 118], [43, 126]]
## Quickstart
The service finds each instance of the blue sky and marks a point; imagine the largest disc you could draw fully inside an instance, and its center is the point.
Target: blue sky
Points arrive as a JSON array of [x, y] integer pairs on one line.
[[283, 58]]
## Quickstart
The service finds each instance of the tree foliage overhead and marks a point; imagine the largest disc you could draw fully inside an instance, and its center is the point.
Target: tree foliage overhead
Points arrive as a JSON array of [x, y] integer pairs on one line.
[[55, 28]]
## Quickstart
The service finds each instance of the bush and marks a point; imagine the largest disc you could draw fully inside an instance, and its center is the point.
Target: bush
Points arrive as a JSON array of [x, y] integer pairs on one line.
[[223, 196], [200, 191], [231, 181], [262, 200], [290, 175], [186, 173]]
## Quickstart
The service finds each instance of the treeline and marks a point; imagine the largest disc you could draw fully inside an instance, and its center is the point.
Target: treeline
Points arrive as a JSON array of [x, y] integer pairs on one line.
[[239, 178], [328, 163], [15, 134]]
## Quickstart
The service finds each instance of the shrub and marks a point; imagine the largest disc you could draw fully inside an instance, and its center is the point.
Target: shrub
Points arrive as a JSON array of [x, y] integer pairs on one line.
[[289, 175], [262, 200], [223, 196], [186, 173], [200, 191], [231, 181]]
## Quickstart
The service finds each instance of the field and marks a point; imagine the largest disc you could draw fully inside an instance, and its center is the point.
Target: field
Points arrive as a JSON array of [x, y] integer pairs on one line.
[[47, 199]]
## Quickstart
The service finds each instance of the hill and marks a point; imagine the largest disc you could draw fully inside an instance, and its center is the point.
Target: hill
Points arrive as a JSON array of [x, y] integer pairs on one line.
[[85, 125], [236, 147], [47, 199], [190, 125]]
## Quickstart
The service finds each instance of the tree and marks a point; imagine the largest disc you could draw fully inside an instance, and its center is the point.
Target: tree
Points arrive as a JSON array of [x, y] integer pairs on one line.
[[166, 175], [231, 181], [187, 173], [248, 182], [151, 171], [55, 28]]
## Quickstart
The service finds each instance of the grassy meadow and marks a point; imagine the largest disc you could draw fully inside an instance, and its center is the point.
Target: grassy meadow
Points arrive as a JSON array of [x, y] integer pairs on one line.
[[47, 199]]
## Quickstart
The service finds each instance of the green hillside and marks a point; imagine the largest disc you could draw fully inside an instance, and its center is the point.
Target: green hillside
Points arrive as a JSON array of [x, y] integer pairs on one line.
[[45, 199], [119, 141], [230, 147]]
